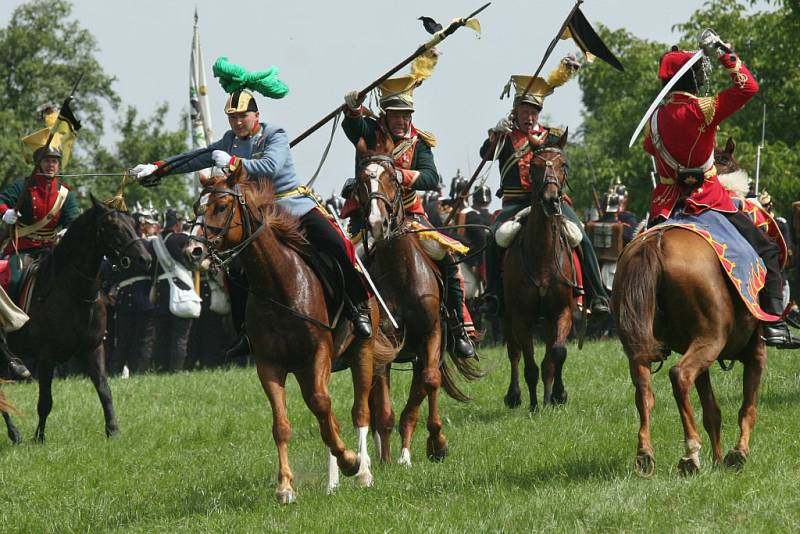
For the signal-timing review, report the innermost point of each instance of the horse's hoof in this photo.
(352, 470)
(645, 465)
(38, 437)
(112, 431)
(434, 454)
(15, 436)
(405, 458)
(286, 496)
(688, 466)
(735, 459)
(364, 479)
(512, 400)
(559, 399)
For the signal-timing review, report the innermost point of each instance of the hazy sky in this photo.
(327, 48)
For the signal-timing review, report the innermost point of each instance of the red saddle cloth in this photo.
(5, 274)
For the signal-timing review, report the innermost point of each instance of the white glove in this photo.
(572, 62)
(10, 216)
(711, 43)
(352, 100)
(144, 169)
(503, 126)
(221, 159)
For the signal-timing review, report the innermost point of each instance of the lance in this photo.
(758, 150)
(438, 37)
(497, 138)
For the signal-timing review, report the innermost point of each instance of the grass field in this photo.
(195, 454)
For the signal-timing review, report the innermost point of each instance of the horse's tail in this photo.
(6, 406)
(467, 368)
(384, 350)
(635, 295)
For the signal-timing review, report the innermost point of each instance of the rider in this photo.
(683, 139)
(522, 134)
(616, 211)
(263, 150)
(413, 158)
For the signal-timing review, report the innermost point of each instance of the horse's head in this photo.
(117, 238)
(549, 173)
(724, 160)
(379, 189)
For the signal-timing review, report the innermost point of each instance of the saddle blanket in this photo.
(744, 267)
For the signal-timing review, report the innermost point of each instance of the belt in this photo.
(710, 173)
(297, 191)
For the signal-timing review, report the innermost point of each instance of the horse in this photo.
(672, 294)
(7, 408)
(408, 280)
(67, 313)
(538, 281)
(288, 320)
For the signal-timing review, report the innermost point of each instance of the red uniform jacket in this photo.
(688, 127)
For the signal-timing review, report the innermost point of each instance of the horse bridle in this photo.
(221, 258)
(550, 177)
(393, 205)
(117, 254)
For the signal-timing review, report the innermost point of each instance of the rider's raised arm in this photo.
(735, 97)
(193, 160)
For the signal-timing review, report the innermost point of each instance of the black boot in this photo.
(362, 323)
(239, 349)
(459, 343)
(15, 365)
(777, 334)
(599, 306)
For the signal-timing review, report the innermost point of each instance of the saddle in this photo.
(27, 284)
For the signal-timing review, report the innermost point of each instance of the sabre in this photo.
(366, 274)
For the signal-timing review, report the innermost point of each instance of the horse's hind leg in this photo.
(13, 433)
(645, 401)
(362, 369)
(273, 381)
(712, 416)
(382, 414)
(45, 403)
(754, 361)
(531, 372)
(410, 414)
(695, 361)
(96, 368)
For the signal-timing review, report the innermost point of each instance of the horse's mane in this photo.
(73, 243)
(286, 226)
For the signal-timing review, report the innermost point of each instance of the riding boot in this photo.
(362, 323)
(458, 341)
(776, 333)
(593, 282)
(241, 348)
(15, 365)
(492, 299)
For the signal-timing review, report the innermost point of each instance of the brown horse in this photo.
(288, 321)
(672, 294)
(408, 280)
(538, 281)
(6, 408)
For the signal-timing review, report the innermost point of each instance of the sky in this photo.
(324, 49)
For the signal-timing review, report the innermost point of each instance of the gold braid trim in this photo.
(428, 137)
(708, 105)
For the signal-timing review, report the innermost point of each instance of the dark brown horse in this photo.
(67, 313)
(672, 294)
(288, 321)
(407, 278)
(538, 281)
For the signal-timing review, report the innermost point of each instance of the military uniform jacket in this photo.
(265, 155)
(687, 127)
(39, 198)
(412, 156)
(515, 159)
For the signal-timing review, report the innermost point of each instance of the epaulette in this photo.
(428, 137)
(708, 105)
(558, 132)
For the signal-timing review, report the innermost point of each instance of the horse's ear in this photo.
(562, 141)
(730, 146)
(95, 203)
(206, 181)
(361, 147)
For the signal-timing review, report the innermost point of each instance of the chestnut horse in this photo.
(6, 408)
(538, 281)
(288, 321)
(408, 280)
(672, 294)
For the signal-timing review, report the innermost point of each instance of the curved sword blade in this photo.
(688, 65)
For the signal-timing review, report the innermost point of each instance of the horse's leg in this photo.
(645, 401)
(45, 403)
(513, 396)
(361, 370)
(313, 382)
(554, 357)
(410, 414)
(382, 414)
(13, 433)
(273, 381)
(696, 360)
(436, 448)
(754, 361)
(712, 416)
(96, 369)
(531, 371)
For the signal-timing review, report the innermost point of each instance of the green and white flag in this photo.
(200, 116)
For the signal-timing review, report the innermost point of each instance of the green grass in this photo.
(195, 454)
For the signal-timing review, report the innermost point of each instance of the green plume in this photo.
(234, 77)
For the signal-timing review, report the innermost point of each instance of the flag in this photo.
(61, 129)
(200, 115)
(579, 30)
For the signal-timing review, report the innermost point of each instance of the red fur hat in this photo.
(671, 62)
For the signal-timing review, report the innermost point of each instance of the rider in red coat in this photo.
(681, 134)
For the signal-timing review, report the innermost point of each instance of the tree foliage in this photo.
(614, 102)
(43, 52)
